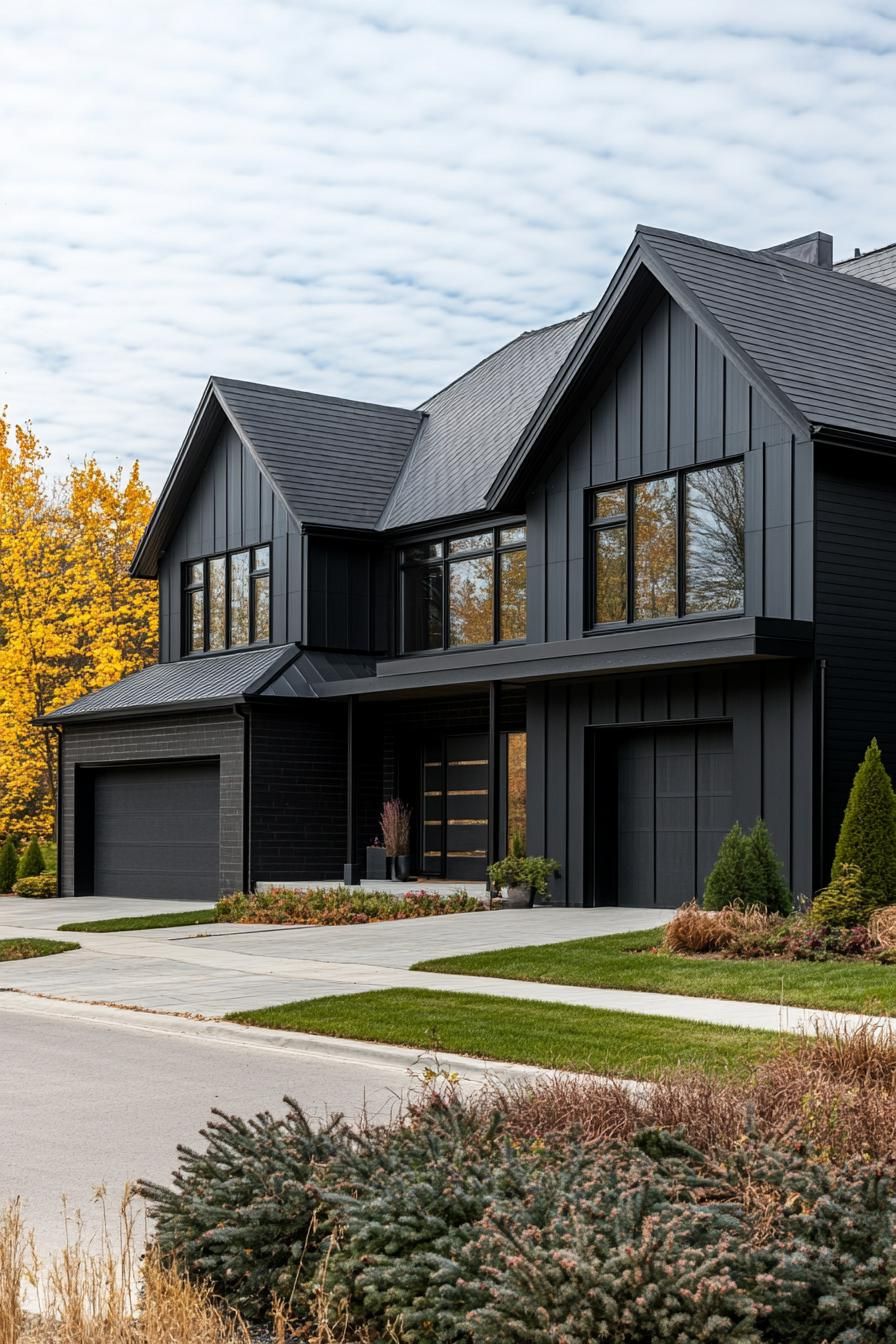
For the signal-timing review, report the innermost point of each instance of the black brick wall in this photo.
(298, 793)
(199, 736)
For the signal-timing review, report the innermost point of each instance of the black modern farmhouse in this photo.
(627, 580)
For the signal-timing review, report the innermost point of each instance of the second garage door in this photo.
(156, 831)
(675, 805)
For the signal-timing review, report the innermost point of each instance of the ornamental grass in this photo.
(337, 905)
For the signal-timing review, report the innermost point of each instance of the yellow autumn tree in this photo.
(71, 619)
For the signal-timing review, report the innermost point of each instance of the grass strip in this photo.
(174, 920)
(22, 949)
(626, 961)
(554, 1035)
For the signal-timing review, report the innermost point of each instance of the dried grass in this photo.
(694, 930)
(882, 926)
(836, 1091)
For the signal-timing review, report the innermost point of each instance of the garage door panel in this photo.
(156, 831)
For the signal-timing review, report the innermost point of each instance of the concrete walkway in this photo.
(213, 970)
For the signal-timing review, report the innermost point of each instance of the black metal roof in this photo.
(825, 338)
(472, 425)
(878, 265)
(333, 461)
(217, 679)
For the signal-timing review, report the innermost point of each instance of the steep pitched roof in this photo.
(819, 343)
(879, 265)
(825, 338)
(472, 425)
(333, 461)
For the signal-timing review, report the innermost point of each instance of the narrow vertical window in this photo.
(512, 583)
(195, 607)
(217, 602)
(515, 767)
(261, 595)
(239, 598)
(714, 539)
(422, 595)
(656, 549)
(471, 597)
(610, 556)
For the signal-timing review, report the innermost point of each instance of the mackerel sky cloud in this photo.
(364, 197)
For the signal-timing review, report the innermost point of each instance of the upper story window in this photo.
(227, 601)
(466, 590)
(669, 546)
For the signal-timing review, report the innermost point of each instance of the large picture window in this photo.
(462, 591)
(227, 601)
(669, 546)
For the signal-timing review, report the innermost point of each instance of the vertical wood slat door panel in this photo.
(675, 804)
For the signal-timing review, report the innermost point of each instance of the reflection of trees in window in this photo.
(512, 595)
(714, 539)
(239, 598)
(217, 602)
(197, 620)
(470, 601)
(610, 573)
(465, 590)
(656, 549)
(515, 765)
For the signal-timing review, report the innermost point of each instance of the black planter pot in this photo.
(377, 863)
(401, 867)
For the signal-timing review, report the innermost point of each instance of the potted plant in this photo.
(377, 862)
(395, 824)
(522, 876)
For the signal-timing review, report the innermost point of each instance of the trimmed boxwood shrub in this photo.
(42, 885)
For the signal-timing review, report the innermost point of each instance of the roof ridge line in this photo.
(219, 379)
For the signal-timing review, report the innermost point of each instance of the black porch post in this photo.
(352, 871)
(494, 752)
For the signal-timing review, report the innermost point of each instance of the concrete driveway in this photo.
(217, 969)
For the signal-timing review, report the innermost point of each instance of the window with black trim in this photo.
(667, 546)
(227, 601)
(465, 590)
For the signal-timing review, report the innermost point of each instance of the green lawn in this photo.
(20, 949)
(623, 961)
(555, 1035)
(173, 920)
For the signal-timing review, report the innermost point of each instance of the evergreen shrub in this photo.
(747, 872)
(41, 885)
(32, 863)
(868, 832)
(9, 864)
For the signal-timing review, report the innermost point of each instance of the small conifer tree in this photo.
(765, 883)
(32, 864)
(868, 833)
(9, 864)
(728, 880)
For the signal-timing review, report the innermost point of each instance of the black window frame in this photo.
(190, 585)
(444, 562)
(594, 525)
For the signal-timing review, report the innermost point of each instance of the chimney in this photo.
(815, 248)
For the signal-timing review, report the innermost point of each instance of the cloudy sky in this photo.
(364, 197)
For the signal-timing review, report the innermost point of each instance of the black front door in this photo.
(455, 807)
(674, 802)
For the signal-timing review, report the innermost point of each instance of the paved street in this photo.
(93, 1096)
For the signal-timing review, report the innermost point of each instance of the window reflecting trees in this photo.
(714, 539)
(463, 591)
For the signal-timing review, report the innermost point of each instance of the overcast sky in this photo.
(364, 197)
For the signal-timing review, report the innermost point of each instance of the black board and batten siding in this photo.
(855, 621)
(232, 506)
(673, 400)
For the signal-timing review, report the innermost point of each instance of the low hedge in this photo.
(452, 1225)
(41, 885)
(337, 905)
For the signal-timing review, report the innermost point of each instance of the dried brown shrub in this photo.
(882, 926)
(694, 930)
(836, 1091)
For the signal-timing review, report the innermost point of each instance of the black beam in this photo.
(494, 749)
(352, 871)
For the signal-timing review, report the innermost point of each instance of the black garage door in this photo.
(156, 831)
(675, 805)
